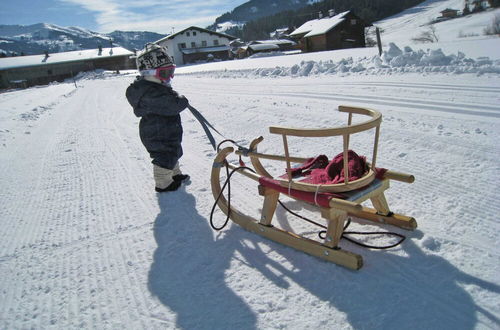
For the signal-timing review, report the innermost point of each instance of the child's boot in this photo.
(164, 180)
(177, 174)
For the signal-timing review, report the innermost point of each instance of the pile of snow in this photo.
(393, 60)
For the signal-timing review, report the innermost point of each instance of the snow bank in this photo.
(393, 60)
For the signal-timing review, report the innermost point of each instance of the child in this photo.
(158, 105)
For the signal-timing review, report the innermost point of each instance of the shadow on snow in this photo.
(415, 291)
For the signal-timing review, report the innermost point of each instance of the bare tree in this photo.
(427, 36)
(494, 27)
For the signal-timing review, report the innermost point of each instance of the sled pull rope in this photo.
(228, 184)
(205, 124)
(322, 233)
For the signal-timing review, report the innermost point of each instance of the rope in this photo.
(322, 234)
(228, 184)
(316, 195)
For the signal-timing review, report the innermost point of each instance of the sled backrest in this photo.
(344, 131)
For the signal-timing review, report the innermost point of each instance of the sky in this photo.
(105, 16)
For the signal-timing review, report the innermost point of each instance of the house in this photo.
(449, 13)
(235, 49)
(196, 44)
(242, 50)
(281, 33)
(345, 30)
(261, 48)
(25, 71)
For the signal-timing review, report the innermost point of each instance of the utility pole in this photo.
(379, 42)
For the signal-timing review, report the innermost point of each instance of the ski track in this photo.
(90, 186)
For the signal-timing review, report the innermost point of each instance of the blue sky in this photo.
(109, 15)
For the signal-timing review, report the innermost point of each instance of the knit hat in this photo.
(153, 56)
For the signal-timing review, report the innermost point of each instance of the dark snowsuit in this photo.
(160, 127)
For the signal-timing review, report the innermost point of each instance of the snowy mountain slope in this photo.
(409, 24)
(37, 38)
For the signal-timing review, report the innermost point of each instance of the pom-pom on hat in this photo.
(153, 56)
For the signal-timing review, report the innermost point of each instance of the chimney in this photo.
(46, 53)
(320, 15)
(331, 12)
(100, 50)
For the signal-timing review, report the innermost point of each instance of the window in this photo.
(188, 34)
(182, 45)
(194, 33)
(204, 43)
(353, 22)
(216, 42)
(193, 44)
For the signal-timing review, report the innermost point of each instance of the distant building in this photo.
(283, 44)
(261, 48)
(345, 30)
(25, 71)
(449, 13)
(196, 44)
(241, 50)
(282, 33)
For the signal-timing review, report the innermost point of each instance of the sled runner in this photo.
(311, 181)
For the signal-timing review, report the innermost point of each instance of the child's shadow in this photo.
(188, 270)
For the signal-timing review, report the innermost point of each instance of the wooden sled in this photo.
(346, 200)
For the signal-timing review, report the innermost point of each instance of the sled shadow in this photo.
(416, 291)
(188, 270)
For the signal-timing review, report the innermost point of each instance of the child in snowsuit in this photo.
(159, 106)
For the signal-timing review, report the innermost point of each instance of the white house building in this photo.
(196, 44)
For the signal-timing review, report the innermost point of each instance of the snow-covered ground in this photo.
(87, 243)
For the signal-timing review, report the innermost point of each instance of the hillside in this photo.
(254, 9)
(260, 27)
(38, 38)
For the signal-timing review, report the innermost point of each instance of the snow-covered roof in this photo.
(320, 26)
(275, 42)
(205, 49)
(264, 47)
(172, 36)
(79, 55)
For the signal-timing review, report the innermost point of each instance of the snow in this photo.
(223, 27)
(87, 243)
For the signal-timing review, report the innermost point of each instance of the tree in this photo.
(494, 27)
(466, 10)
(427, 36)
(494, 3)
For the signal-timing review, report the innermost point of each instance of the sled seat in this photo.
(323, 199)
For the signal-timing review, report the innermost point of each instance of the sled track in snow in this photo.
(393, 101)
(447, 87)
(437, 106)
